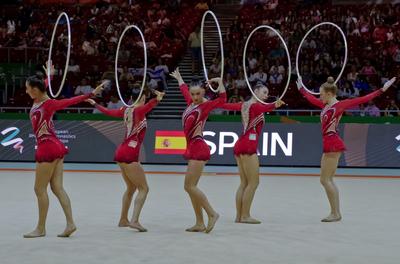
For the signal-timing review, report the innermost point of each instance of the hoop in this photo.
(145, 64)
(301, 44)
(68, 55)
(244, 61)
(222, 62)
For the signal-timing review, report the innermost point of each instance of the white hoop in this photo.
(301, 44)
(287, 54)
(222, 62)
(68, 55)
(145, 64)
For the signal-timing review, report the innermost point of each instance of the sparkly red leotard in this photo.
(135, 121)
(253, 121)
(193, 121)
(49, 147)
(330, 118)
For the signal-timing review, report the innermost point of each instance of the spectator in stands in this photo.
(352, 75)
(275, 77)
(165, 72)
(195, 46)
(372, 110)
(368, 69)
(348, 91)
(240, 82)
(392, 109)
(235, 97)
(202, 5)
(73, 67)
(361, 84)
(87, 48)
(252, 61)
(215, 69)
(84, 88)
(114, 103)
(259, 77)
(126, 75)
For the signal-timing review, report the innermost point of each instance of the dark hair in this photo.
(37, 81)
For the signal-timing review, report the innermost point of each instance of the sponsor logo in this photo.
(10, 140)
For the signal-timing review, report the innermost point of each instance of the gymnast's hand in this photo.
(91, 101)
(159, 94)
(388, 84)
(177, 75)
(99, 89)
(51, 66)
(279, 103)
(299, 83)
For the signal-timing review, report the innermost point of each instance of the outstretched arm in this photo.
(310, 98)
(349, 103)
(119, 113)
(56, 105)
(232, 106)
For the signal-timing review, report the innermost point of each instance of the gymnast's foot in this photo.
(332, 218)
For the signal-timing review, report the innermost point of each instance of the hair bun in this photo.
(330, 80)
(40, 76)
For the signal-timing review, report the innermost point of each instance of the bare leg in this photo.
(199, 200)
(136, 175)
(126, 198)
(56, 184)
(240, 190)
(198, 210)
(251, 168)
(329, 163)
(44, 172)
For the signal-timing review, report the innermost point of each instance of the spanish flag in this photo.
(170, 142)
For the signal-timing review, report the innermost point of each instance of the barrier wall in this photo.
(369, 145)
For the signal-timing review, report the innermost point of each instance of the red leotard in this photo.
(193, 121)
(135, 121)
(253, 121)
(49, 147)
(330, 118)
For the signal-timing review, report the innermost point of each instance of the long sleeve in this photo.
(141, 111)
(349, 103)
(216, 103)
(263, 108)
(312, 99)
(119, 113)
(55, 105)
(232, 106)
(186, 94)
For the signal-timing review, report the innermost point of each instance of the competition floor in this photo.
(290, 202)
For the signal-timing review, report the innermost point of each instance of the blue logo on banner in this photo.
(10, 140)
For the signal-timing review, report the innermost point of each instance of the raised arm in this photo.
(182, 86)
(220, 101)
(141, 111)
(310, 98)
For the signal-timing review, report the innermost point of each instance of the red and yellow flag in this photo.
(170, 142)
